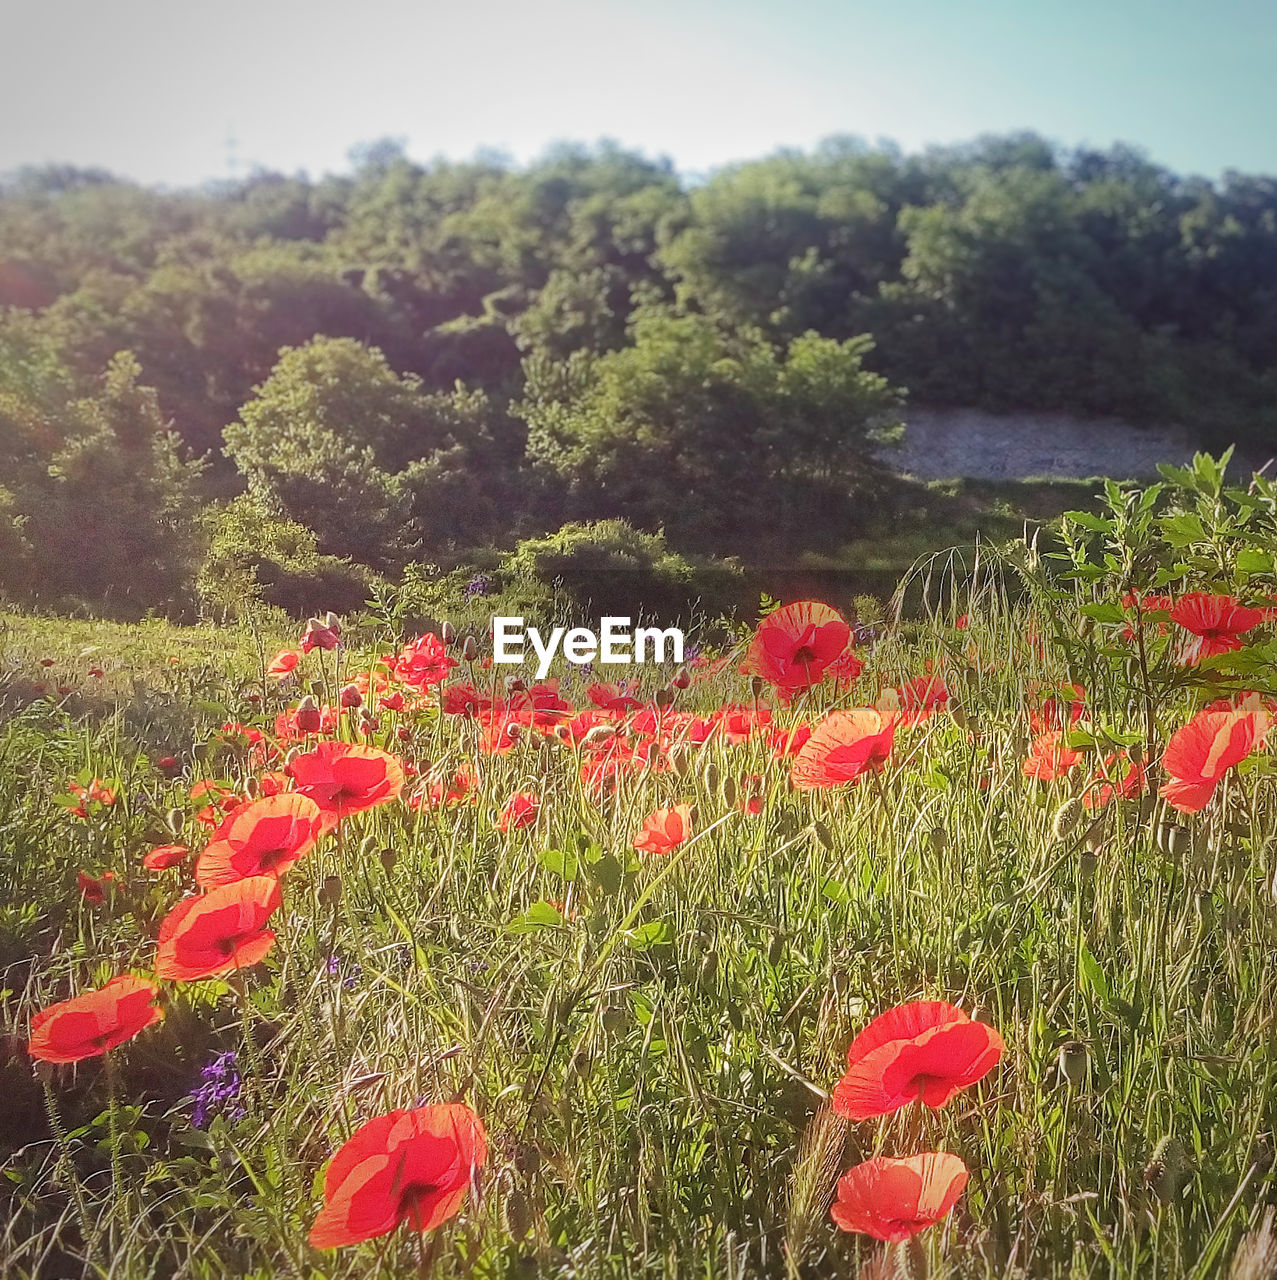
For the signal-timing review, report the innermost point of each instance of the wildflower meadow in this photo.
(945, 947)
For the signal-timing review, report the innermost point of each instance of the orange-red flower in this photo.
(343, 779)
(664, 830)
(164, 856)
(89, 1024)
(925, 1050)
(262, 838)
(795, 644)
(284, 663)
(1118, 776)
(842, 747)
(893, 1199)
(520, 811)
(1215, 622)
(95, 888)
(222, 930)
(1050, 757)
(440, 793)
(407, 1166)
(1199, 754)
(423, 662)
(920, 699)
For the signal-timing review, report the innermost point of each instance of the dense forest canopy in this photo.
(412, 361)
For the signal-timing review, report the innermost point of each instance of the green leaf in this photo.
(1094, 974)
(655, 933)
(561, 862)
(540, 915)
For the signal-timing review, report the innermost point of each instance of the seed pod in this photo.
(527, 1159)
(1174, 840)
(822, 834)
(728, 791)
(682, 680)
(516, 1213)
(469, 649)
(1072, 1061)
(680, 761)
(1094, 837)
(388, 857)
(614, 1018)
(713, 776)
(1166, 1170)
(776, 949)
(251, 788)
(939, 838)
(1087, 864)
(1067, 816)
(757, 687)
(663, 698)
(330, 891)
(597, 736)
(447, 633)
(515, 684)
(709, 968)
(958, 716)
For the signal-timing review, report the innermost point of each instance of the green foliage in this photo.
(257, 557)
(713, 434)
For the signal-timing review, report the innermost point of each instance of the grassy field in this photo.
(651, 1039)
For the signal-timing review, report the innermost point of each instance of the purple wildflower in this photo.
(219, 1091)
(479, 585)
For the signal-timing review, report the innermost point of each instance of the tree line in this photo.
(276, 378)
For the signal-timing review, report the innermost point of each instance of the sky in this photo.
(176, 92)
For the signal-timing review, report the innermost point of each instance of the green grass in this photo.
(651, 1066)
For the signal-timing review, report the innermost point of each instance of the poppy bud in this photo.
(513, 730)
(1067, 816)
(1167, 1167)
(307, 715)
(165, 763)
(680, 761)
(1086, 865)
(332, 622)
(728, 791)
(330, 891)
(757, 687)
(613, 1018)
(939, 838)
(1135, 753)
(709, 967)
(350, 696)
(958, 716)
(515, 684)
(663, 698)
(776, 949)
(563, 733)
(1174, 840)
(469, 649)
(713, 775)
(200, 751)
(1094, 837)
(403, 733)
(175, 819)
(822, 834)
(682, 680)
(582, 1063)
(1072, 1061)
(447, 633)
(597, 736)
(388, 858)
(251, 788)
(516, 1214)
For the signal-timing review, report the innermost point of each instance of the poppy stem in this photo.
(65, 1160)
(113, 1127)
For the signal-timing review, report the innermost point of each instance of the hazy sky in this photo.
(157, 89)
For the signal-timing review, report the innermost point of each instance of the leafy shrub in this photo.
(258, 557)
(609, 567)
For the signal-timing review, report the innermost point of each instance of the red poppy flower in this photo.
(164, 856)
(1052, 713)
(94, 888)
(925, 1050)
(1199, 754)
(920, 699)
(664, 830)
(343, 779)
(408, 1166)
(1118, 776)
(423, 662)
(1049, 757)
(788, 742)
(284, 663)
(440, 793)
(1216, 622)
(520, 811)
(221, 930)
(842, 747)
(262, 838)
(321, 633)
(611, 697)
(89, 1024)
(893, 1199)
(795, 644)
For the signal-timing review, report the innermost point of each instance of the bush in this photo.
(610, 568)
(258, 557)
